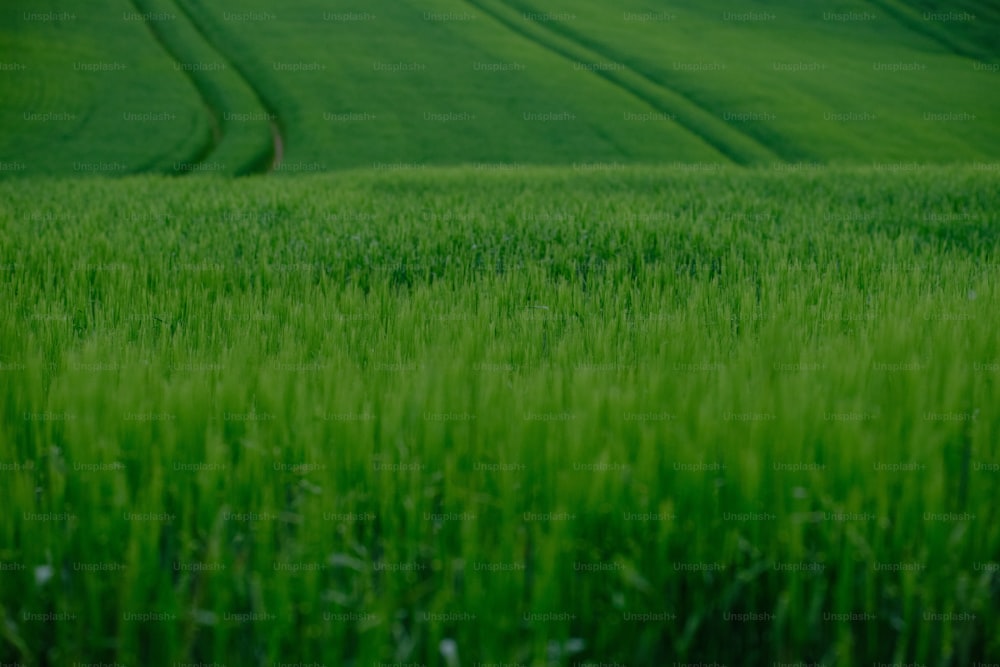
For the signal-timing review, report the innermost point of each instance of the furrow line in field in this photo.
(213, 112)
(731, 143)
(907, 18)
(277, 137)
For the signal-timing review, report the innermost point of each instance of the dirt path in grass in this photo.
(279, 146)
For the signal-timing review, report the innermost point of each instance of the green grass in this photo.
(395, 374)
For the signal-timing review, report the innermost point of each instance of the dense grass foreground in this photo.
(542, 417)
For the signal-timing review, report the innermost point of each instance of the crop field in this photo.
(499, 333)
(348, 420)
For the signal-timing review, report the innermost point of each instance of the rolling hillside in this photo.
(499, 84)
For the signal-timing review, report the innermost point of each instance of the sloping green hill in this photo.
(643, 81)
(439, 83)
(574, 82)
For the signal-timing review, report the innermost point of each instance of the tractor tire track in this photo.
(271, 158)
(906, 17)
(274, 119)
(751, 143)
(213, 113)
(738, 147)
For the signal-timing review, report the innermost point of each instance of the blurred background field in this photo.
(453, 83)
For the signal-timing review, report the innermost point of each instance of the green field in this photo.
(663, 334)
(341, 375)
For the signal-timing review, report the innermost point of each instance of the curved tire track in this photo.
(277, 135)
(906, 17)
(271, 160)
(213, 113)
(739, 147)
